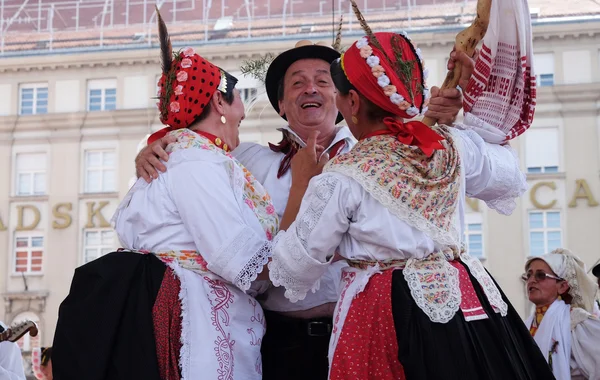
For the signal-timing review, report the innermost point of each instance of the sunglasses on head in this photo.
(539, 276)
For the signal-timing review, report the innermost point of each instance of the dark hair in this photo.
(343, 85)
(228, 96)
(46, 355)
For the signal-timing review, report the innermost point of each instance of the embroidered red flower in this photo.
(182, 76)
(189, 51)
(186, 63)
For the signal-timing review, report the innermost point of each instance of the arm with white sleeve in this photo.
(11, 363)
(585, 344)
(302, 253)
(225, 230)
(492, 171)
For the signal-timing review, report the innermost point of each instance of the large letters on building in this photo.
(582, 191)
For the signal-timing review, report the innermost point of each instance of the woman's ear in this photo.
(218, 103)
(354, 102)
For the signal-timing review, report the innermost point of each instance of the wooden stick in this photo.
(466, 41)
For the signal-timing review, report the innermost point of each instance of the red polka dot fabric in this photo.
(367, 348)
(166, 315)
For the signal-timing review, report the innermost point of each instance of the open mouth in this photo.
(310, 105)
(531, 288)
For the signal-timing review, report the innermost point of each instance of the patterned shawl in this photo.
(422, 191)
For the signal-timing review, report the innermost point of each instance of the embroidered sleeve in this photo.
(302, 253)
(492, 172)
(222, 230)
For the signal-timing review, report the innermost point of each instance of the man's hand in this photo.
(147, 162)
(309, 161)
(444, 105)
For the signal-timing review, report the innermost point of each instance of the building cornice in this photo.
(238, 50)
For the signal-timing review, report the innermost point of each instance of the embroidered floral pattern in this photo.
(366, 51)
(422, 191)
(220, 298)
(188, 259)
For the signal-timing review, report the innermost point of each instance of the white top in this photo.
(577, 355)
(264, 165)
(195, 205)
(11, 362)
(338, 212)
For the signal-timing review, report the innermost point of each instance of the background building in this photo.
(76, 86)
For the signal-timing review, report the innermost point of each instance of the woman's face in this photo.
(546, 291)
(234, 114)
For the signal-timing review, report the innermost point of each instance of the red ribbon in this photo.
(413, 133)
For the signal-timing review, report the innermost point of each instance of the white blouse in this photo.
(338, 213)
(263, 163)
(194, 206)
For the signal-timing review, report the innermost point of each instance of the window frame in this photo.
(101, 168)
(34, 106)
(102, 85)
(30, 235)
(98, 247)
(544, 230)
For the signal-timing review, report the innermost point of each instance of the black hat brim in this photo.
(596, 271)
(279, 66)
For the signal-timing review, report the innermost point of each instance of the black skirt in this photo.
(497, 348)
(105, 327)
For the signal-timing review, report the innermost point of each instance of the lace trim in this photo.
(507, 181)
(253, 267)
(317, 200)
(402, 211)
(434, 285)
(578, 315)
(571, 277)
(487, 284)
(234, 252)
(287, 262)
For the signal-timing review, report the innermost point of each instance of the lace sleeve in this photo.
(508, 183)
(302, 253)
(492, 172)
(227, 261)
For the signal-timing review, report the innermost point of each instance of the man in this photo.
(300, 89)
(11, 362)
(563, 323)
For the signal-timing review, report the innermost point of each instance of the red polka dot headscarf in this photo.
(187, 88)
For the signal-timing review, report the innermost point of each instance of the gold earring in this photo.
(223, 120)
(354, 119)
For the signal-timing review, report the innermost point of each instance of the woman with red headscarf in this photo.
(413, 304)
(178, 302)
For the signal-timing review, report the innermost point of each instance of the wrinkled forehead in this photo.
(539, 264)
(309, 68)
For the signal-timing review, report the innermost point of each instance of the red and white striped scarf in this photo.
(499, 100)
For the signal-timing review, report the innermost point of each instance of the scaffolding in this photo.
(39, 25)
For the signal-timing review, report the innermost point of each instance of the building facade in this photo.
(72, 124)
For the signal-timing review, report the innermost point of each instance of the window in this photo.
(248, 94)
(541, 154)
(27, 342)
(543, 65)
(102, 95)
(474, 235)
(30, 174)
(99, 171)
(33, 99)
(545, 234)
(97, 243)
(29, 251)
